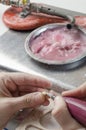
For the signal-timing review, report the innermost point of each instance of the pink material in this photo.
(77, 109)
(59, 44)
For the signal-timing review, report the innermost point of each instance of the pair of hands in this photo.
(61, 112)
(20, 90)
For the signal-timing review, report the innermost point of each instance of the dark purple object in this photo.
(77, 108)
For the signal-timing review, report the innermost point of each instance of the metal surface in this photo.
(12, 47)
(68, 64)
(47, 9)
(38, 8)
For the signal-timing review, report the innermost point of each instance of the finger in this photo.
(28, 101)
(79, 92)
(21, 93)
(29, 88)
(28, 79)
(62, 115)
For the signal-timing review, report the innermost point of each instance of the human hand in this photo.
(61, 113)
(79, 92)
(18, 91)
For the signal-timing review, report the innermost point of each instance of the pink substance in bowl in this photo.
(59, 44)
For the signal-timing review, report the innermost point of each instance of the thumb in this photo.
(28, 101)
(62, 115)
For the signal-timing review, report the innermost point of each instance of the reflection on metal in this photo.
(13, 65)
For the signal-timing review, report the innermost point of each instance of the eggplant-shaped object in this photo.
(77, 108)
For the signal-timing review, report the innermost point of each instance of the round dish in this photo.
(36, 33)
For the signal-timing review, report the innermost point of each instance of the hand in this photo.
(18, 91)
(79, 92)
(61, 113)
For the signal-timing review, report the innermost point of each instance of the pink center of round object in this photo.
(59, 44)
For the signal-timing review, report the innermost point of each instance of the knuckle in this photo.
(28, 100)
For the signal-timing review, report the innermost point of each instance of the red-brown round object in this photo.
(81, 21)
(12, 19)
